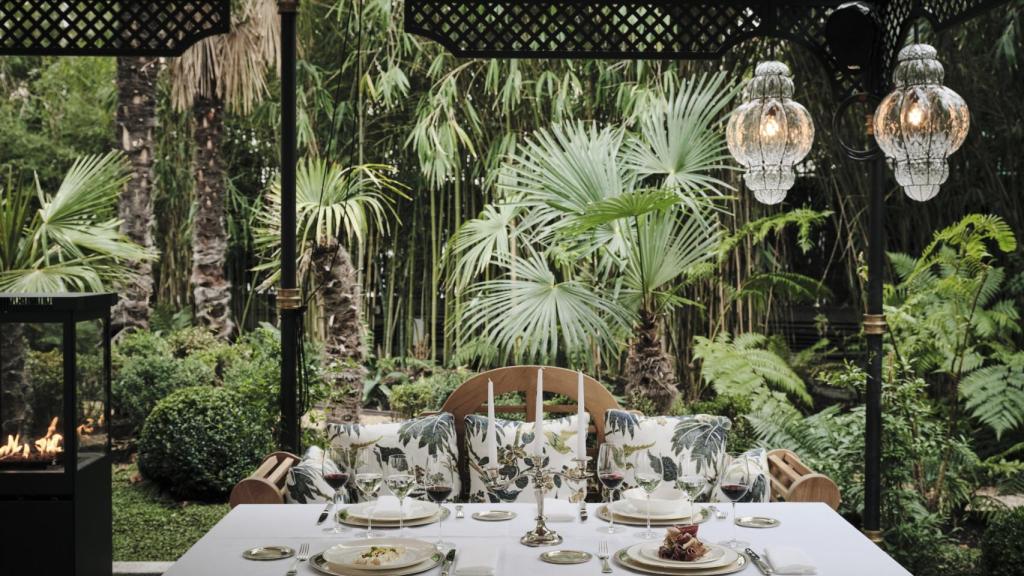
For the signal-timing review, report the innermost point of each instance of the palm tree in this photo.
(67, 241)
(334, 206)
(136, 120)
(226, 71)
(611, 224)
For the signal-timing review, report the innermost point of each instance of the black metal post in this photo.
(874, 329)
(288, 300)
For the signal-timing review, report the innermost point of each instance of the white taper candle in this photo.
(538, 427)
(492, 438)
(581, 419)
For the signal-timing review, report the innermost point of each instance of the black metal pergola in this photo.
(856, 42)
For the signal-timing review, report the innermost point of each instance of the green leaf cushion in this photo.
(515, 456)
(693, 443)
(418, 440)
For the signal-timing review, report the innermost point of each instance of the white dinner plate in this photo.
(346, 554)
(641, 554)
(625, 508)
(414, 510)
(649, 553)
(738, 564)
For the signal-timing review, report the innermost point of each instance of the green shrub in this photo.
(427, 393)
(1002, 545)
(198, 442)
(741, 436)
(142, 381)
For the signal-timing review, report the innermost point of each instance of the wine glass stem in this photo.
(611, 515)
(734, 524)
(369, 521)
(648, 512)
(440, 521)
(401, 516)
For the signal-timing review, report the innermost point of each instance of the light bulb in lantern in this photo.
(769, 132)
(920, 123)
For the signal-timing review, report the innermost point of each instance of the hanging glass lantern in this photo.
(920, 123)
(769, 133)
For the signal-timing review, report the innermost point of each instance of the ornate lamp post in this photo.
(857, 42)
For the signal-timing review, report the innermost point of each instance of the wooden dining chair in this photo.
(471, 398)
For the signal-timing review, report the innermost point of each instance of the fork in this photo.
(602, 555)
(302, 556)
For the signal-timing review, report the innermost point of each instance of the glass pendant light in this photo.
(920, 123)
(769, 133)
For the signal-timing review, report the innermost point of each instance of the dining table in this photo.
(835, 546)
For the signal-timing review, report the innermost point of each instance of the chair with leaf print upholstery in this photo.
(470, 399)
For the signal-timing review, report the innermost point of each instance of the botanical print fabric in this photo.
(417, 439)
(515, 441)
(694, 443)
(305, 483)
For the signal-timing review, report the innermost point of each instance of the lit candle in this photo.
(492, 438)
(538, 427)
(581, 419)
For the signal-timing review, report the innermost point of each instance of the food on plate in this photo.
(681, 544)
(380, 555)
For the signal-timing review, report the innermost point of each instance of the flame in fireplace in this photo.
(46, 447)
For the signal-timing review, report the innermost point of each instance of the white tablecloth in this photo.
(837, 548)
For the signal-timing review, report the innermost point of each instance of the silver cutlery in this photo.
(449, 559)
(718, 513)
(458, 512)
(301, 557)
(602, 555)
(761, 564)
(324, 514)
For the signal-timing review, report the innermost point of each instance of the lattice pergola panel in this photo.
(657, 29)
(109, 27)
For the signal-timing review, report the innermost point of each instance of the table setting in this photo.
(658, 528)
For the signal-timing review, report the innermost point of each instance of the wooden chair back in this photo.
(793, 481)
(471, 398)
(266, 485)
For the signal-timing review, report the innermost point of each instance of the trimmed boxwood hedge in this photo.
(1002, 545)
(198, 442)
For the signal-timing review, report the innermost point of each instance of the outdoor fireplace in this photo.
(55, 500)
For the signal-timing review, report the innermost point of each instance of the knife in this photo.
(449, 559)
(325, 513)
(761, 564)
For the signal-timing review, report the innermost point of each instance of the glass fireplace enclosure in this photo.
(55, 499)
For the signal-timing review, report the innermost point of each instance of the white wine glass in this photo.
(400, 481)
(368, 482)
(693, 485)
(648, 476)
(611, 471)
(735, 479)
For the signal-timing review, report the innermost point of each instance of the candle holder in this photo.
(542, 477)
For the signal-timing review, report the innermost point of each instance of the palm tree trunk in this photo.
(649, 371)
(210, 286)
(136, 120)
(339, 298)
(15, 394)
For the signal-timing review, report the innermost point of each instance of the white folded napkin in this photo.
(477, 561)
(560, 510)
(389, 506)
(788, 560)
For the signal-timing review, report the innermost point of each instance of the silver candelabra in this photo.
(542, 477)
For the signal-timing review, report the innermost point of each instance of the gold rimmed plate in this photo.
(702, 516)
(321, 565)
(494, 515)
(566, 557)
(623, 559)
(757, 522)
(442, 514)
(264, 553)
